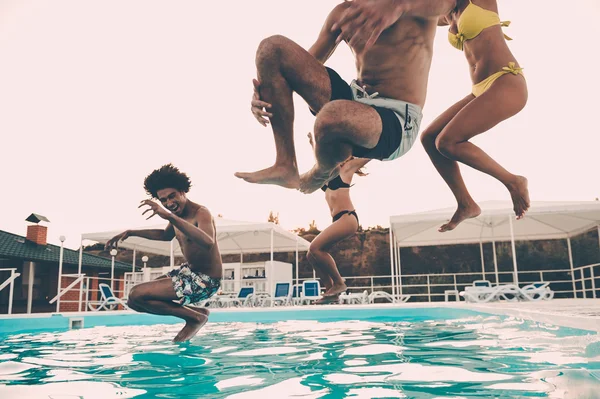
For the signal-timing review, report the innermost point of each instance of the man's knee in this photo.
(270, 48)
(329, 121)
(135, 295)
(132, 304)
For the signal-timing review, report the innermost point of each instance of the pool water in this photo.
(477, 356)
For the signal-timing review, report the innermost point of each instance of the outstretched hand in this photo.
(155, 208)
(114, 242)
(363, 21)
(259, 107)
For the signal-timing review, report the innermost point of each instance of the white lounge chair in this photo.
(355, 298)
(388, 297)
(537, 292)
(281, 296)
(109, 301)
(482, 291)
(244, 297)
(296, 294)
(311, 291)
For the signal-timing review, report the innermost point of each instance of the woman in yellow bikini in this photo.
(499, 92)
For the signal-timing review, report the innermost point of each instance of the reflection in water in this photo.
(479, 357)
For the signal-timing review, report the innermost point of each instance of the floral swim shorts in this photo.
(192, 287)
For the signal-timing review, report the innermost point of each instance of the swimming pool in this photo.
(329, 353)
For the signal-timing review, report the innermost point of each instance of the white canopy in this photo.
(234, 237)
(543, 221)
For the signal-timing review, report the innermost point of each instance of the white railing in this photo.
(10, 281)
(584, 276)
(94, 296)
(85, 293)
(372, 283)
(436, 284)
(432, 286)
(78, 278)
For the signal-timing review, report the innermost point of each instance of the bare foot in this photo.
(462, 212)
(313, 180)
(279, 175)
(520, 196)
(192, 327)
(336, 290)
(328, 299)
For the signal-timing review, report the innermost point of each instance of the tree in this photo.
(273, 218)
(312, 228)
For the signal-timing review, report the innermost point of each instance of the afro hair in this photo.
(167, 176)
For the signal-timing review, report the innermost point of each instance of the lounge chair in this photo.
(482, 291)
(296, 294)
(311, 291)
(244, 297)
(537, 292)
(109, 301)
(355, 298)
(388, 297)
(281, 296)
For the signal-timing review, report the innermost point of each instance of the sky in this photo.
(94, 95)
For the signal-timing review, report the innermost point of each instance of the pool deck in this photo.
(574, 313)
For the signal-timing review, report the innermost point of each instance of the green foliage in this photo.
(312, 228)
(273, 218)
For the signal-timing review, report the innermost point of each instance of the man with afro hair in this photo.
(199, 277)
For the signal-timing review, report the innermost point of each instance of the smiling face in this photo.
(172, 199)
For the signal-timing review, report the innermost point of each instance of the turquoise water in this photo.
(409, 356)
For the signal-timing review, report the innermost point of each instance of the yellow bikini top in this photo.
(472, 22)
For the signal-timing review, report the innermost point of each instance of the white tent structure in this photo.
(234, 237)
(543, 221)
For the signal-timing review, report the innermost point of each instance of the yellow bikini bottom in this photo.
(485, 84)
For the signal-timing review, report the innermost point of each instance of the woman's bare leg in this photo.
(343, 228)
(506, 97)
(448, 168)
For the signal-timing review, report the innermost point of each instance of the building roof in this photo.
(17, 247)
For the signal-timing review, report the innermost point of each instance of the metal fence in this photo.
(566, 283)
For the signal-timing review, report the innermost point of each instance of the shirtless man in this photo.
(377, 116)
(199, 277)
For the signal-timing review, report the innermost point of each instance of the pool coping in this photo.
(564, 314)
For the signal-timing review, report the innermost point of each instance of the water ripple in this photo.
(477, 357)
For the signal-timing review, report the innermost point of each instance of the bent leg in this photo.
(156, 297)
(340, 126)
(283, 67)
(505, 98)
(448, 168)
(343, 228)
(326, 281)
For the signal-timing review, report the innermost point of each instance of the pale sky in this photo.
(94, 95)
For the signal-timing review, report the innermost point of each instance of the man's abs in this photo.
(397, 66)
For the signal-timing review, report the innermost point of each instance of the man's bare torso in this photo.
(200, 259)
(397, 66)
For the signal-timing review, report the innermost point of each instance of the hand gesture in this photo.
(155, 208)
(259, 107)
(363, 21)
(310, 140)
(114, 242)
